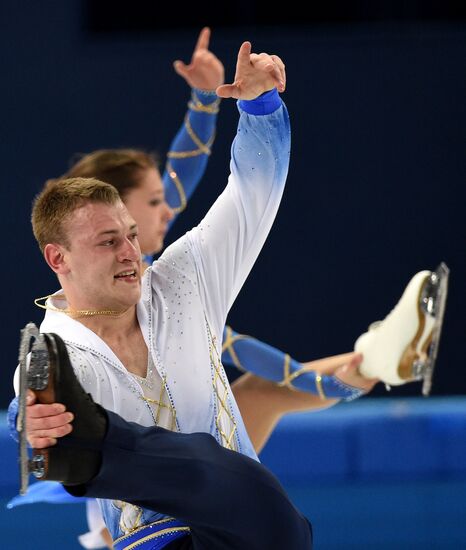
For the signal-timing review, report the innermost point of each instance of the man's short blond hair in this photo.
(59, 199)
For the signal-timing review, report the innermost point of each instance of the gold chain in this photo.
(75, 313)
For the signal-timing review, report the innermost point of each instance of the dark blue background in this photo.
(376, 189)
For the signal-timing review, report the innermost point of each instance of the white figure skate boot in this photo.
(403, 347)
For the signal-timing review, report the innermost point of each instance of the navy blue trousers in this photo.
(229, 501)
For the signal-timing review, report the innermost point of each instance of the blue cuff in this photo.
(206, 97)
(12, 416)
(265, 104)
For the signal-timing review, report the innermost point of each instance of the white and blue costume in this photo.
(185, 166)
(185, 300)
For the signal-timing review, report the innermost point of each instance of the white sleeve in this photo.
(227, 242)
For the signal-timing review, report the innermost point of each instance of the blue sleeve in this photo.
(189, 151)
(12, 416)
(251, 355)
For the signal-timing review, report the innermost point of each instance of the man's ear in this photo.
(54, 255)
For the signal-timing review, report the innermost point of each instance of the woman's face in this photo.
(146, 204)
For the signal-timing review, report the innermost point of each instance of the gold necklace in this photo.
(75, 313)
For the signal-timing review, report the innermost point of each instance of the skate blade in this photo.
(434, 303)
(32, 350)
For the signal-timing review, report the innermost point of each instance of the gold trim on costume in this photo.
(289, 377)
(199, 107)
(160, 402)
(320, 390)
(179, 187)
(228, 345)
(196, 105)
(161, 405)
(184, 154)
(203, 148)
(135, 523)
(222, 396)
(153, 535)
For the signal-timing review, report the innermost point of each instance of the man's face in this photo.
(103, 260)
(148, 207)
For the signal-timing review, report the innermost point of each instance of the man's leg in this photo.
(228, 500)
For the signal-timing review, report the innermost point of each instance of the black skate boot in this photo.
(45, 368)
